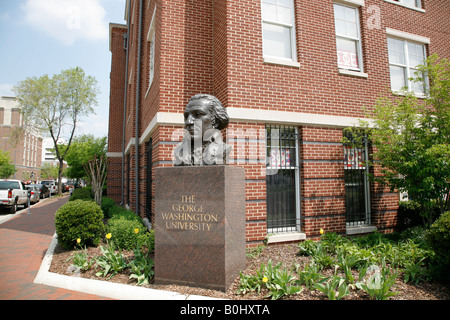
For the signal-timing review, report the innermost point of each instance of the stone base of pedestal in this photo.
(199, 226)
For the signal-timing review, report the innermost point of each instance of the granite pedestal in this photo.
(199, 226)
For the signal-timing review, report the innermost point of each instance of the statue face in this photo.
(197, 118)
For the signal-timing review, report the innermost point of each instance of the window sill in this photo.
(286, 237)
(360, 229)
(405, 6)
(352, 2)
(403, 93)
(283, 62)
(353, 73)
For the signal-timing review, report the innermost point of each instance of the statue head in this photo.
(202, 144)
(204, 112)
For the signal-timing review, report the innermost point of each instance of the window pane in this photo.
(277, 41)
(269, 12)
(396, 51)
(284, 15)
(397, 78)
(411, 3)
(286, 3)
(347, 54)
(346, 21)
(339, 12)
(416, 54)
(277, 11)
(417, 87)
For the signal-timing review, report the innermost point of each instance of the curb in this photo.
(103, 288)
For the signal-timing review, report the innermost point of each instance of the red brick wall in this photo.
(216, 47)
(115, 127)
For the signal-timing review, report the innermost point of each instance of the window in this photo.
(410, 3)
(348, 37)
(151, 39)
(357, 195)
(404, 57)
(152, 60)
(282, 179)
(278, 29)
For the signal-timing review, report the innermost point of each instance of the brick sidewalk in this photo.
(24, 240)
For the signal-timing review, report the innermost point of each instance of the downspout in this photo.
(125, 103)
(138, 85)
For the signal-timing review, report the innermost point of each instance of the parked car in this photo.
(52, 186)
(44, 191)
(12, 194)
(35, 193)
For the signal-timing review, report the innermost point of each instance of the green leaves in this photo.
(276, 281)
(7, 169)
(411, 138)
(52, 106)
(111, 261)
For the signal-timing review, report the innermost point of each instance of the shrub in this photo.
(438, 237)
(82, 194)
(107, 205)
(408, 215)
(79, 219)
(125, 235)
(117, 212)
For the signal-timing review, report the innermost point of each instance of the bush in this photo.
(128, 234)
(82, 194)
(79, 219)
(107, 205)
(119, 212)
(438, 237)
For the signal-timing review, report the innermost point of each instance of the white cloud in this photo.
(68, 20)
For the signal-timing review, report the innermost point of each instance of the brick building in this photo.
(292, 75)
(25, 148)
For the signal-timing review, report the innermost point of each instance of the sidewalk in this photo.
(26, 246)
(24, 240)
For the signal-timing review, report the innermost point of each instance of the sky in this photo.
(39, 37)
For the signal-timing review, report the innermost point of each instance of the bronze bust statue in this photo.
(202, 143)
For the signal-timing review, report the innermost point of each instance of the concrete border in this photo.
(103, 288)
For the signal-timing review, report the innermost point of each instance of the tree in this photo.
(411, 137)
(48, 171)
(97, 169)
(83, 149)
(7, 169)
(53, 106)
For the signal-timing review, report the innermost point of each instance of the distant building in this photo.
(292, 75)
(25, 148)
(48, 155)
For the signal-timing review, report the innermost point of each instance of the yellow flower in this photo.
(136, 230)
(265, 279)
(321, 231)
(78, 240)
(108, 236)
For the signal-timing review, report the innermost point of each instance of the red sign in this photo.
(347, 59)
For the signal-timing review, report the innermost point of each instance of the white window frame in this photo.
(416, 6)
(151, 36)
(407, 65)
(358, 40)
(282, 60)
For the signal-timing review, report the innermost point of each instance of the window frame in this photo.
(407, 66)
(417, 5)
(293, 43)
(358, 39)
(151, 38)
